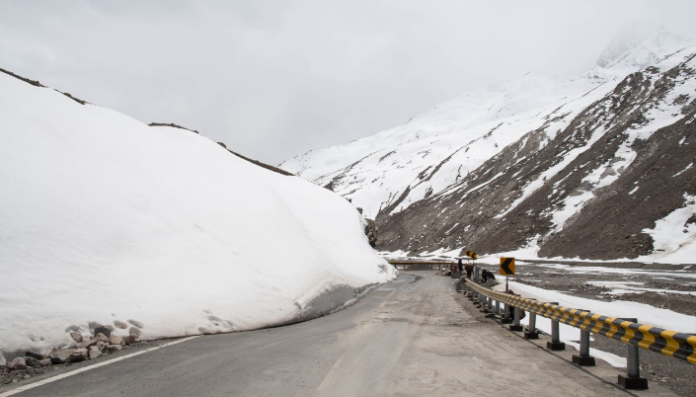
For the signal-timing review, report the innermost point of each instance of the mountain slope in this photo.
(597, 190)
(460, 153)
(105, 220)
(387, 172)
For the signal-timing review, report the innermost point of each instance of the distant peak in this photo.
(639, 44)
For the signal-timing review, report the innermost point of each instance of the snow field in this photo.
(105, 219)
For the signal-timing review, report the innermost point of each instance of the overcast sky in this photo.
(273, 79)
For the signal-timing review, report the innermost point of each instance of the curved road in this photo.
(413, 337)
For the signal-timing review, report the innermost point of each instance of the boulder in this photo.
(45, 362)
(17, 364)
(32, 362)
(114, 348)
(102, 337)
(78, 355)
(120, 324)
(130, 339)
(100, 345)
(61, 356)
(102, 330)
(94, 352)
(76, 337)
(35, 355)
(115, 340)
(136, 323)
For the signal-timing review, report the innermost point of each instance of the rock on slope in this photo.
(447, 179)
(105, 220)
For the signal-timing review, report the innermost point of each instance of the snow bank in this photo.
(104, 219)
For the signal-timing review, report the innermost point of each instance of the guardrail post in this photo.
(530, 332)
(555, 343)
(515, 326)
(584, 359)
(484, 304)
(489, 309)
(497, 307)
(506, 315)
(632, 380)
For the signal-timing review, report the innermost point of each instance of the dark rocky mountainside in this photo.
(589, 190)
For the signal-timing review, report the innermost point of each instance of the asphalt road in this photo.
(413, 337)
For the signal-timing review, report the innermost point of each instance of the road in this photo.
(413, 337)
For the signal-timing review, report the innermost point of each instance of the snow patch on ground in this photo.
(674, 236)
(628, 287)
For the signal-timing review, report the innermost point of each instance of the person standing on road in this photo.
(469, 269)
(461, 267)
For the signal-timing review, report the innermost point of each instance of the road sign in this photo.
(468, 253)
(507, 266)
(474, 255)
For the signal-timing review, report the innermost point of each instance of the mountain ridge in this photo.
(434, 159)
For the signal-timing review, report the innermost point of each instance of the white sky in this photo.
(273, 79)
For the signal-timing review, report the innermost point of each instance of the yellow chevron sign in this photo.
(507, 266)
(474, 255)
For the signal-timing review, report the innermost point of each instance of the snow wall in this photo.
(105, 220)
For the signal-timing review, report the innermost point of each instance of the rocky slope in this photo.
(594, 190)
(596, 166)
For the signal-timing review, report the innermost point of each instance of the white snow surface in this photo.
(104, 219)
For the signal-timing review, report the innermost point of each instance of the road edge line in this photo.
(91, 367)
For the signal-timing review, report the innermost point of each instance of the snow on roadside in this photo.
(646, 314)
(105, 219)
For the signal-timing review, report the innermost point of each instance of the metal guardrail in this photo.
(420, 263)
(629, 331)
(669, 343)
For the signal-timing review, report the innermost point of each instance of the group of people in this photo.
(469, 267)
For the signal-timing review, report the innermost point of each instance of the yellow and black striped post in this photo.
(669, 343)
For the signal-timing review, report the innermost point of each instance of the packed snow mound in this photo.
(104, 220)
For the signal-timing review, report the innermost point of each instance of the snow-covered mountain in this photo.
(403, 176)
(638, 45)
(107, 221)
(387, 172)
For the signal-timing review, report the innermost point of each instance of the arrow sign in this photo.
(507, 266)
(474, 255)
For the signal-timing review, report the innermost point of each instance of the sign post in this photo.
(507, 268)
